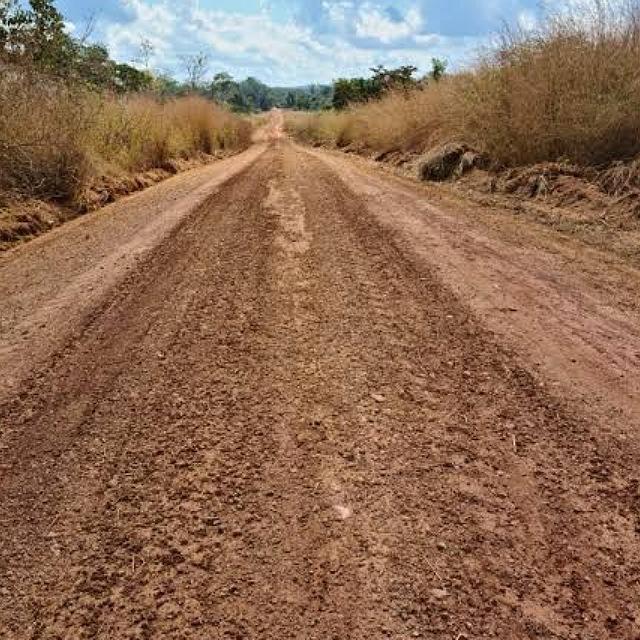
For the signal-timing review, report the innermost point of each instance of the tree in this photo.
(352, 90)
(165, 85)
(37, 36)
(145, 53)
(93, 66)
(224, 88)
(195, 66)
(290, 100)
(438, 69)
(388, 79)
(131, 80)
(256, 95)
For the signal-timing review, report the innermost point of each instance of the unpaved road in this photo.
(285, 397)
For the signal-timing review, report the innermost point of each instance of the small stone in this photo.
(441, 545)
(439, 594)
(378, 397)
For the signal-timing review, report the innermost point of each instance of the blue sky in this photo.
(292, 42)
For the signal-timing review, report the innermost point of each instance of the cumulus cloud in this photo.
(387, 27)
(291, 42)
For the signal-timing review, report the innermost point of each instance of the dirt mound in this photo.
(22, 219)
(615, 188)
(108, 188)
(448, 161)
(599, 205)
(25, 218)
(622, 180)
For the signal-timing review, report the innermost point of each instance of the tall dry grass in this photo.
(138, 133)
(402, 121)
(568, 90)
(44, 133)
(55, 138)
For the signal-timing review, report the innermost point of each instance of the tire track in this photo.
(283, 427)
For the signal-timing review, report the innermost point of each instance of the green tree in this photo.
(438, 69)
(256, 95)
(37, 36)
(13, 21)
(224, 88)
(165, 85)
(353, 90)
(128, 79)
(388, 79)
(290, 101)
(94, 66)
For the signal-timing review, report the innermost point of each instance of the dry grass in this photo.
(55, 139)
(44, 131)
(570, 91)
(140, 133)
(325, 128)
(567, 91)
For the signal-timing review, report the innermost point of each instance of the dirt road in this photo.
(286, 397)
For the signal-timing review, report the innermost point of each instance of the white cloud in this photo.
(527, 20)
(372, 23)
(359, 35)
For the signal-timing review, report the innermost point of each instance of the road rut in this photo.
(279, 424)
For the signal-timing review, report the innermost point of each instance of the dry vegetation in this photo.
(137, 133)
(55, 138)
(569, 91)
(550, 119)
(65, 149)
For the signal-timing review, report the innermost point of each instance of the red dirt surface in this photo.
(286, 397)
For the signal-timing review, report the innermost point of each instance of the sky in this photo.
(297, 42)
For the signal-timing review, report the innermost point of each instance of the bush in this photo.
(326, 128)
(54, 137)
(43, 136)
(140, 132)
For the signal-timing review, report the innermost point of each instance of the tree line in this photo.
(35, 37)
(252, 95)
(347, 91)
